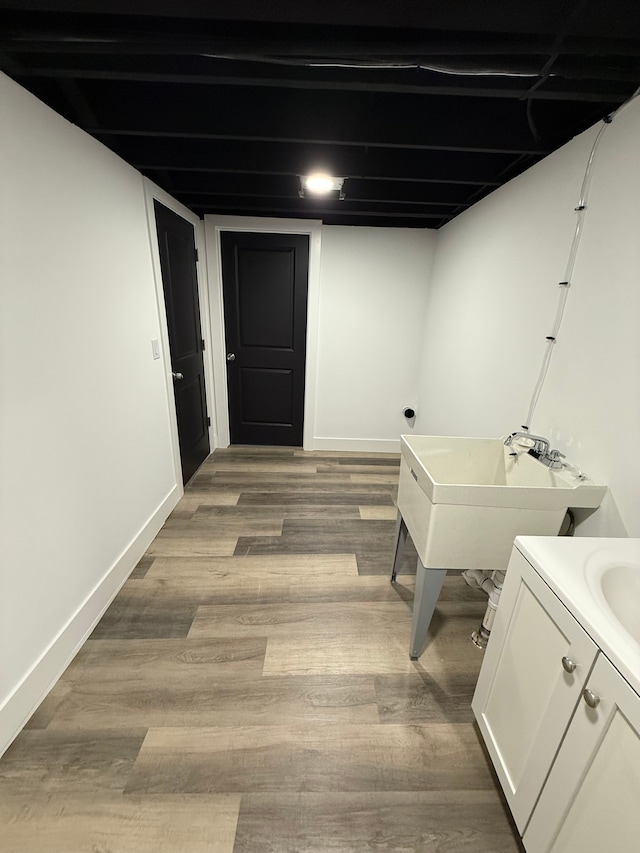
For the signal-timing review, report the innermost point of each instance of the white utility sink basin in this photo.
(464, 500)
(599, 580)
(482, 472)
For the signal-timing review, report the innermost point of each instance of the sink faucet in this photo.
(540, 447)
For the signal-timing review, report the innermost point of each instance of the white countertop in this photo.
(572, 567)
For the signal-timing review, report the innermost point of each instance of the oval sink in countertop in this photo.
(620, 587)
(598, 580)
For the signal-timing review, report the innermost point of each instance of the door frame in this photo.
(152, 193)
(213, 226)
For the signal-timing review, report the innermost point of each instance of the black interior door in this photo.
(265, 281)
(176, 242)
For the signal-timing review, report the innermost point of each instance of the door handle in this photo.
(231, 356)
(177, 375)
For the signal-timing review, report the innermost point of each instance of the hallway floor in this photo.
(250, 689)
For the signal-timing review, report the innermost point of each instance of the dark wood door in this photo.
(265, 279)
(176, 242)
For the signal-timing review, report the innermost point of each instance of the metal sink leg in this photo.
(428, 585)
(401, 538)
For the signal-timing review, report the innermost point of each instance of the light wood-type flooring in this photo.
(250, 689)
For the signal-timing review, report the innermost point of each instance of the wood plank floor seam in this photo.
(249, 690)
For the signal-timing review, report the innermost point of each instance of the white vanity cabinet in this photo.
(564, 739)
(535, 667)
(591, 800)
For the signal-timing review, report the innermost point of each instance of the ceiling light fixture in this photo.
(321, 184)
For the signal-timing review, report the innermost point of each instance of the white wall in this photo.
(367, 299)
(87, 473)
(373, 296)
(493, 299)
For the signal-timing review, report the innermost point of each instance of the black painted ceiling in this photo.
(424, 107)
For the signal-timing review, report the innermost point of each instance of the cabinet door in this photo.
(524, 698)
(591, 801)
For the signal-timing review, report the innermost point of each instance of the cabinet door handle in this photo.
(590, 698)
(568, 665)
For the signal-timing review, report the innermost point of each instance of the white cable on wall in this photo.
(565, 284)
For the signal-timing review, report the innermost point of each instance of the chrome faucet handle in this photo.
(555, 458)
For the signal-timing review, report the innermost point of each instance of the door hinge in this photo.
(202, 342)
(208, 421)
(197, 257)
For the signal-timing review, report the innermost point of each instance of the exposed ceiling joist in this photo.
(225, 104)
(447, 91)
(409, 50)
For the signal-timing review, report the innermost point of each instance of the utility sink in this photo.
(482, 472)
(464, 500)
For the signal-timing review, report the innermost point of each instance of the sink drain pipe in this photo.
(491, 583)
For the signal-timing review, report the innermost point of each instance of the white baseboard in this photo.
(32, 689)
(358, 445)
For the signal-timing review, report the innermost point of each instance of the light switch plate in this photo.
(155, 348)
